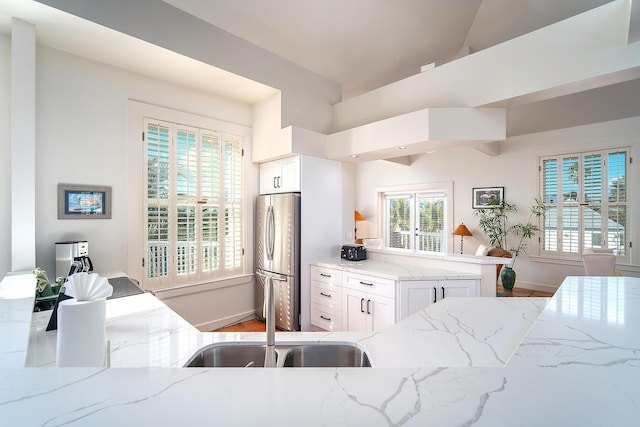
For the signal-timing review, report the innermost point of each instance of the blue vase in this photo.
(508, 277)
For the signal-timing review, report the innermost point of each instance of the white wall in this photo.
(81, 137)
(5, 155)
(515, 169)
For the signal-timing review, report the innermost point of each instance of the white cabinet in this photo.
(326, 298)
(368, 303)
(280, 176)
(348, 301)
(418, 294)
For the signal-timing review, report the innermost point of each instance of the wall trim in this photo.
(179, 291)
(225, 321)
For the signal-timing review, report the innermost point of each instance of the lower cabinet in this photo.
(367, 312)
(346, 301)
(326, 298)
(418, 294)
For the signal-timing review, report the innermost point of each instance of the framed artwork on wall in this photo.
(487, 197)
(77, 201)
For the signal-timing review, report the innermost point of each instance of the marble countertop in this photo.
(394, 271)
(569, 360)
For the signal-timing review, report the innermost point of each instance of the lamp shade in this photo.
(357, 216)
(462, 230)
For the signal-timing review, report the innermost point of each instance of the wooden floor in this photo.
(248, 326)
(522, 292)
(258, 326)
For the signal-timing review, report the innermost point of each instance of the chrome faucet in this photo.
(270, 316)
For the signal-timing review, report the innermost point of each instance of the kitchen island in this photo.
(569, 360)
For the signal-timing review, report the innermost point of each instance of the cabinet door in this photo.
(381, 312)
(355, 317)
(416, 295)
(459, 288)
(290, 174)
(269, 176)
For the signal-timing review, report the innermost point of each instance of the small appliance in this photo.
(353, 252)
(72, 257)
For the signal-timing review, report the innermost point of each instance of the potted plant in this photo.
(494, 223)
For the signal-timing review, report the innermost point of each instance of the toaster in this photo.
(353, 252)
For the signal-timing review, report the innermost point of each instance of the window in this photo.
(416, 220)
(587, 196)
(192, 204)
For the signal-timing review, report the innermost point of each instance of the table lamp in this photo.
(461, 231)
(357, 216)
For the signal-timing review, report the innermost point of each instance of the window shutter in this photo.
(586, 196)
(158, 187)
(232, 172)
(194, 204)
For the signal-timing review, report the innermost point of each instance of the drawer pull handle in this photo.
(366, 283)
(325, 318)
(361, 307)
(325, 295)
(435, 294)
(325, 275)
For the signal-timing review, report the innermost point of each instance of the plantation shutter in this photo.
(586, 197)
(157, 207)
(194, 204)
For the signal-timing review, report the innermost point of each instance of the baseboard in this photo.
(536, 286)
(226, 321)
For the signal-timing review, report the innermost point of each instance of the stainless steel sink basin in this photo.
(224, 355)
(326, 356)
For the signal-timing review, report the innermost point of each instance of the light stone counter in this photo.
(396, 271)
(577, 364)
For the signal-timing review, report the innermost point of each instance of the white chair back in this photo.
(599, 264)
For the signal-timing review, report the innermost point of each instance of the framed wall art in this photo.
(84, 201)
(487, 197)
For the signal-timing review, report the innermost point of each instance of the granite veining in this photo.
(568, 360)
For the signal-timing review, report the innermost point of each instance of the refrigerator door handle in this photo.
(270, 232)
(275, 276)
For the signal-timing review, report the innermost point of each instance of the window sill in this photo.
(202, 287)
(625, 269)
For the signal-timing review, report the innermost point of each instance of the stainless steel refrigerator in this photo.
(278, 256)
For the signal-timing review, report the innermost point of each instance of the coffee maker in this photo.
(72, 257)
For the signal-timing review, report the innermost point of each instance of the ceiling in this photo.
(361, 44)
(366, 44)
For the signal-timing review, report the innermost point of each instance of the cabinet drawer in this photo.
(326, 275)
(326, 295)
(370, 284)
(325, 318)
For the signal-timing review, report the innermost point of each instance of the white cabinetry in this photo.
(326, 298)
(319, 182)
(418, 294)
(368, 302)
(280, 176)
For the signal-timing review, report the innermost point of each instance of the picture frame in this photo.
(76, 201)
(487, 197)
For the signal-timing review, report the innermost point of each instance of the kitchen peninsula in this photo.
(569, 360)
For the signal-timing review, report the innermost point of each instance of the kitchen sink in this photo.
(224, 355)
(227, 355)
(326, 355)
